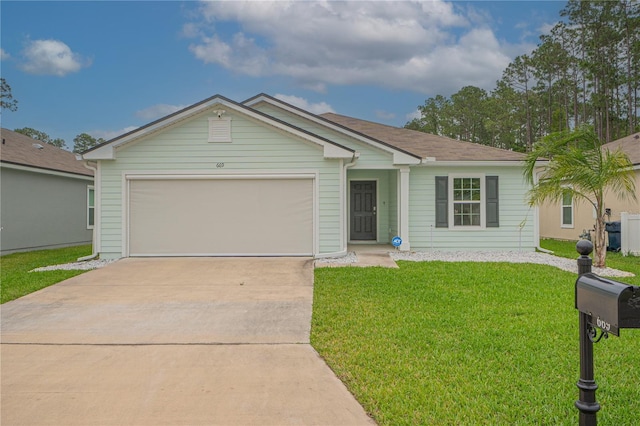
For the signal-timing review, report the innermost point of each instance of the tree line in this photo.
(586, 71)
(81, 142)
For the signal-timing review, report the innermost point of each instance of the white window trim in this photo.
(482, 202)
(562, 207)
(89, 189)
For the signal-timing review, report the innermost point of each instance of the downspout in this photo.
(94, 252)
(536, 221)
(345, 229)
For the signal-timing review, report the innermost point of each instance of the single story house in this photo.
(46, 196)
(265, 178)
(568, 219)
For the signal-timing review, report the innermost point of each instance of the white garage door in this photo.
(199, 217)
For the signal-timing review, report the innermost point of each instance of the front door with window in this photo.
(363, 210)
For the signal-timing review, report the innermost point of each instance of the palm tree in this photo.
(577, 164)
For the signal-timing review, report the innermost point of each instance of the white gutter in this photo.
(94, 252)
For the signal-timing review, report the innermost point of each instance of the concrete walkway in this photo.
(366, 255)
(188, 341)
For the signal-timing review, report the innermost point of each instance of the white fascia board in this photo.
(333, 151)
(105, 152)
(399, 157)
(503, 163)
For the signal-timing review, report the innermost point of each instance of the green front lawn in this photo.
(16, 280)
(614, 260)
(437, 343)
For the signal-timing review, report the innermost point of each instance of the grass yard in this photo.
(437, 343)
(16, 280)
(614, 260)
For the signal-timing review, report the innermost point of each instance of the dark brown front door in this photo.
(363, 210)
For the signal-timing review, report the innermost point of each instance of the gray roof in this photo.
(19, 149)
(424, 144)
(629, 144)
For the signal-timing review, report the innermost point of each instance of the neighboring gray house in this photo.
(46, 196)
(266, 178)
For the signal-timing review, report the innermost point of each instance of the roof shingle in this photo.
(424, 144)
(19, 149)
(629, 144)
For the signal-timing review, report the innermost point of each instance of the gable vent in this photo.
(220, 129)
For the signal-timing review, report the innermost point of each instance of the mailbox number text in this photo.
(603, 325)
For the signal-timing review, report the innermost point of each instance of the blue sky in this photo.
(106, 67)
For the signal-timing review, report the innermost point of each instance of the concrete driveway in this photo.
(171, 341)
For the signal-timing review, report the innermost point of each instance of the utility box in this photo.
(614, 233)
(611, 305)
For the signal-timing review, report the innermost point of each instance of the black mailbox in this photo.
(611, 305)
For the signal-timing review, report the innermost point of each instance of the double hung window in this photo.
(566, 210)
(91, 207)
(467, 201)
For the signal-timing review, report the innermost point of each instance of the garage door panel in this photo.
(221, 216)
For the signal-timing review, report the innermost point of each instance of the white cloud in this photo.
(422, 45)
(110, 134)
(212, 50)
(546, 28)
(191, 30)
(4, 55)
(157, 111)
(51, 57)
(240, 54)
(385, 115)
(314, 108)
(413, 115)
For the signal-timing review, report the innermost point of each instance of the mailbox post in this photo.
(587, 403)
(604, 304)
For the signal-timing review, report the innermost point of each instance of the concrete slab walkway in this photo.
(197, 341)
(366, 259)
(365, 255)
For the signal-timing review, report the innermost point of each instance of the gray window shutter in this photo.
(493, 215)
(442, 202)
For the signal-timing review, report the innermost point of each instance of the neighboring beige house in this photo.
(568, 219)
(46, 196)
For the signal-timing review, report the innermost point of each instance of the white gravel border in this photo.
(563, 263)
(341, 260)
(82, 266)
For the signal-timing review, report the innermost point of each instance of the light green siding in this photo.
(260, 148)
(370, 157)
(514, 211)
(256, 148)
